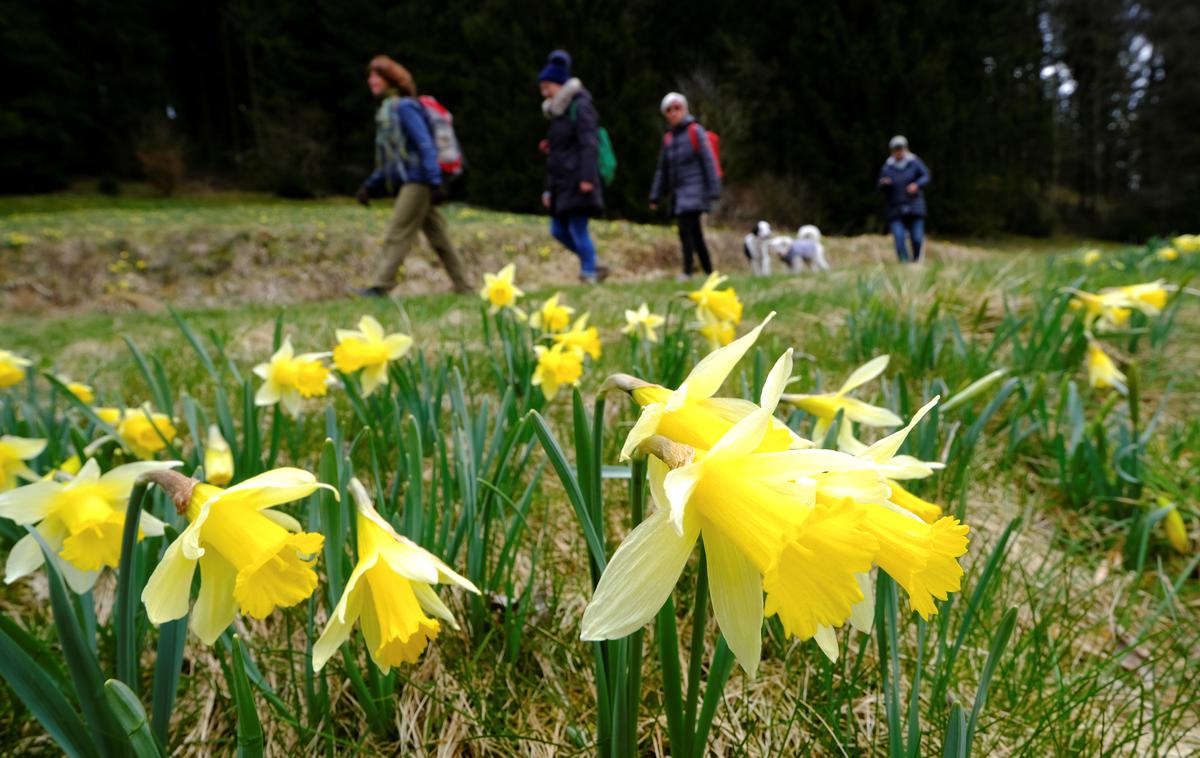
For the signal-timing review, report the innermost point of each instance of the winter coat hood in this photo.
(553, 107)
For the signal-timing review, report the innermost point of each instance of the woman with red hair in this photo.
(406, 163)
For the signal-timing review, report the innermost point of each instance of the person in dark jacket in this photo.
(903, 179)
(687, 172)
(406, 165)
(572, 193)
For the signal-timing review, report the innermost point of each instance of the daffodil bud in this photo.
(218, 458)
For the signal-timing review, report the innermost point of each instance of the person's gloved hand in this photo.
(439, 194)
(363, 196)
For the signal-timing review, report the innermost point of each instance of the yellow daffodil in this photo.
(581, 338)
(1091, 257)
(289, 378)
(690, 415)
(65, 470)
(553, 316)
(1176, 529)
(83, 392)
(1149, 298)
(714, 304)
(1187, 243)
(81, 520)
(369, 349)
(252, 559)
(825, 406)
(143, 430)
(218, 458)
(1110, 309)
(1167, 254)
(391, 592)
(643, 323)
(804, 526)
(14, 452)
(12, 368)
(1102, 372)
(556, 366)
(500, 290)
(718, 333)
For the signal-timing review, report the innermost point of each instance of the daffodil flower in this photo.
(252, 559)
(14, 452)
(1187, 243)
(718, 333)
(218, 458)
(581, 338)
(391, 592)
(690, 415)
(893, 466)
(83, 392)
(369, 349)
(1167, 254)
(1091, 257)
(553, 316)
(143, 430)
(556, 366)
(1149, 298)
(717, 305)
(500, 290)
(12, 368)
(1098, 311)
(82, 521)
(826, 406)
(1102, 372)
(787, 523)
(643, 323)
(1175, 528)
(289, 378)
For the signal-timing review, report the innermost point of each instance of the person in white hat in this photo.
(902, 180)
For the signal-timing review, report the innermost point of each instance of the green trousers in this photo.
(415, 212)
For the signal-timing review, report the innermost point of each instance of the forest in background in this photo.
(1034, 116)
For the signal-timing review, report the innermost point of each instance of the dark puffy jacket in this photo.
(687, 174)
(404, 147)
(903, 173)
(573, 141)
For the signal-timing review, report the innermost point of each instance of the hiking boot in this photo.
(602, 272)
(681, 278)
(368, 291)
(589, 279)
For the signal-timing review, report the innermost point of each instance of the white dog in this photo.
(805, 251)
(756, 247)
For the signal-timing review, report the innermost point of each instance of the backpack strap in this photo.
(694, 135)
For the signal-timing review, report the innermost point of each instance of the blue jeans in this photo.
(571, 229)
(915, 227)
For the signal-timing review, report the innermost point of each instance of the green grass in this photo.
(1103, 656)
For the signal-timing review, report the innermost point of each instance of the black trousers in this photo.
(691, 237)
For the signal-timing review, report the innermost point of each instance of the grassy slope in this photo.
(1068, 687)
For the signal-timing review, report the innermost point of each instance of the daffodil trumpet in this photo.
(389, 593)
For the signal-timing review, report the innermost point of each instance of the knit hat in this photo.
(557, 68)
(899, 141)
(670, 99)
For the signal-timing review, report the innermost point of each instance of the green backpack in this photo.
(606, 159)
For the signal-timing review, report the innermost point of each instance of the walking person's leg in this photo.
(412, 202)
(560, 230)
(686, 241)
(916, 228)
(436, 231)
(701, 245)
(584, 247)
(898, 237)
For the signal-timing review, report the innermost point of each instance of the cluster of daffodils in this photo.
(788, 529)
(719, 311)
(1184, 243)
(1110, 308)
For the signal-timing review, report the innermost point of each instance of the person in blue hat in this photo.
(902, 180)
(572, 192)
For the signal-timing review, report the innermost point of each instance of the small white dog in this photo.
(806, 251)
(756, 247)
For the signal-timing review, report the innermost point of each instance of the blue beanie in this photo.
(557, 69)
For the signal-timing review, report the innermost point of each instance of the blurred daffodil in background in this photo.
(14, 453)
(642, 323)
(1102, 372)
(12, 368)
(143, 429)
(581, 338)
(218, 458)
(826, 406)
(369, 349)
(500, 289)
(289, 378)
(556, 366)
(553, 316)
(390, 592)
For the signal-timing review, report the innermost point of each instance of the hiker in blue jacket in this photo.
(902, 180)
(572, 192)
(406, 166)
(687, 172)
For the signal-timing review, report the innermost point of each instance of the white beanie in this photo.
(672, 98)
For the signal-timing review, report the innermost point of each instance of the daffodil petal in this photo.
(432, 604)
(776, 382)
(150, 525)
(22, 447)
(29, 504)
(826, 639)
(867, 414)
(644, 428)
(864, 373)
(710, 373)
(283, 519)
(887, 447)
(215, 606)
(677, 486)
(639, 578)
(337, 629)
(120, 481)
(169, 588)
(862, 613)
(25, 557)
(272, 488)
(737, 598)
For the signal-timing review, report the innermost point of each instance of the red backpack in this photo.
(714, 144)
(441, 128)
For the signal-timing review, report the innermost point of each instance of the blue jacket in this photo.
(404, 147)
(903, 173)
(688, 175)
